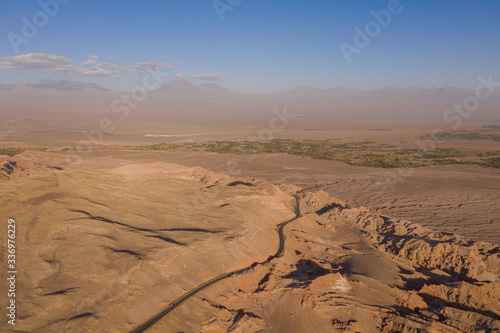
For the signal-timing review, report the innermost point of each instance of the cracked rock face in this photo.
(11, 168)
(105, 251)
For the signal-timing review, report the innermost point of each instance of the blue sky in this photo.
(259, 46)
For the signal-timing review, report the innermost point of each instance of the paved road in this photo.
(146, 325)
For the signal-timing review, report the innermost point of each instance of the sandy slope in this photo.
(458, 199)
(104, 246)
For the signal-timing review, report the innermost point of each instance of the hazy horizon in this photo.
(252, 47)
(199, 83)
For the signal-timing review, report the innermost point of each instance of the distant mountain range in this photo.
(179, 96)
(57, 85)
(180, 87)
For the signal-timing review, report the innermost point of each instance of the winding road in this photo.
(146, 325)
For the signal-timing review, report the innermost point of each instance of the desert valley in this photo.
(117, 225)
(249, 166)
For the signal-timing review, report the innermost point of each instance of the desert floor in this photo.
(113, 235)
(105, 244)
(457, 199)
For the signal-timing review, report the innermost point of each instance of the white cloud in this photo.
(97, 71)
(34, 61)
(202, 76)
(91, 67)
(144, 66)
(61, 65)
(65, 70)
(207, 76)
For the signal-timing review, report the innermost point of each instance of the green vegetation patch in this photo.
(492, 163)
(491, 132)
(365, 153)
(16, 151)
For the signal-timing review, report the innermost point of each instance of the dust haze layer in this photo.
(179, 98)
